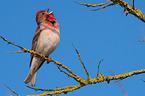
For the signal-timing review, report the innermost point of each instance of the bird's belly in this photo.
(47, 42)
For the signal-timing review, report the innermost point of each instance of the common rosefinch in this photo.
(45, 41)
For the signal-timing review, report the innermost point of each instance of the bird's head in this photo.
(43, 15)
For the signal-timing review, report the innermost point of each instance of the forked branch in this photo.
(127, 8)
(82, 82)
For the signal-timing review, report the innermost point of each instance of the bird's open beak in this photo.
(51, 12)
(46, 11)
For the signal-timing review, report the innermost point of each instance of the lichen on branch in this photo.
(81, 82)
(128, 8)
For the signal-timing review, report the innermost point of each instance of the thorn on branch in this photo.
(98, 67)
(108, 81)
(143, 80)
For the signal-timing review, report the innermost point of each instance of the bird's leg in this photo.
(48, 60)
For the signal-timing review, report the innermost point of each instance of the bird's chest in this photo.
(47, 42)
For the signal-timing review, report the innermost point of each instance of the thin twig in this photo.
(16, 52)
(95, 5)
(11, 90)
(56, 89)
(64, 67)
(11, 43)
(129, 3)
(36, 89)
(104, 6)
(81, 60)
(69, 75)
(133, 5)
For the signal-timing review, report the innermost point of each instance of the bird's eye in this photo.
(43, 13)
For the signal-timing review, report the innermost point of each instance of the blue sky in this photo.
(97, 35)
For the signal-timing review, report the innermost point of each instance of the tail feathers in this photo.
(35, 65)
(31, 78)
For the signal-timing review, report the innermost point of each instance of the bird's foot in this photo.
(43, 56)
(49, 60)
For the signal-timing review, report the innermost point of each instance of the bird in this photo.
(45, 41)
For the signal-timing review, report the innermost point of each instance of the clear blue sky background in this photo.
(103, 34)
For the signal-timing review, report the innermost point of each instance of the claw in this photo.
(49, 60)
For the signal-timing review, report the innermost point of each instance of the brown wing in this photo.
(39, 29)
(34, 42)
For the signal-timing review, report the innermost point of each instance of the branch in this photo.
(127, 9)
(82, 82)
(88, 82)
(77, 78)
